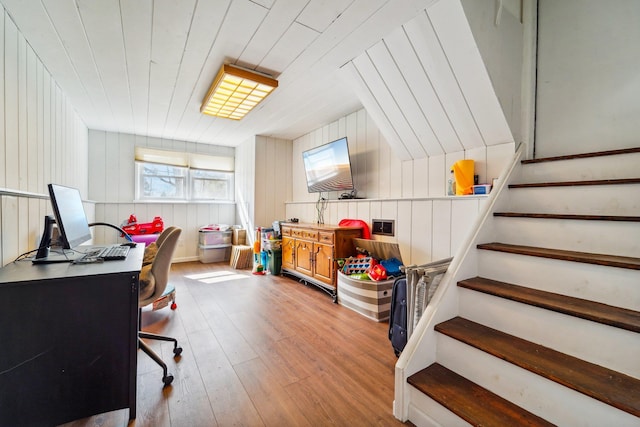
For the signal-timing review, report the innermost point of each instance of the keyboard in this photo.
(112, 253)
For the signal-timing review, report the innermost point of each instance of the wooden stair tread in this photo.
(602, 313)
(617, 181)
(613, 388)
(583, 155)
(476, 405)
(568, 216)
(583, 257)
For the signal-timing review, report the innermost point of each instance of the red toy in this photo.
(133, 228)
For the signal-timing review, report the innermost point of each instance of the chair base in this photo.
(166, 377)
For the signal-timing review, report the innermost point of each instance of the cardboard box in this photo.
(239, 237)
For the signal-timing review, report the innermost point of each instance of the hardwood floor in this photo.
(260, 351)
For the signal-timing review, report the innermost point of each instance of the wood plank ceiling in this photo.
(427, 88)
(143, 66)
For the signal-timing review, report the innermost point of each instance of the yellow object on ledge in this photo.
(463, 171)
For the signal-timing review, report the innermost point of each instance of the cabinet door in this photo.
(303, 253)
(323, 263)
(288, 253)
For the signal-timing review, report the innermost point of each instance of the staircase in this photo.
(539, 321)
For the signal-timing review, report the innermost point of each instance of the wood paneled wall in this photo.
(112, 187)
(273, 179)
(42, 140)
(429, 224)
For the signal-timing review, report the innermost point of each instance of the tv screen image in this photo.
(328, 167)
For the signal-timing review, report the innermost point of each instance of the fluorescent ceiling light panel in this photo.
(235, 91)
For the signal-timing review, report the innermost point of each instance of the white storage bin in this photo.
(211, 237)
(214, 253)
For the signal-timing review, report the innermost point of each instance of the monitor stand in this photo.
(57, 257)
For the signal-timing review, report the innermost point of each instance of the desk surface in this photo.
(25, 271)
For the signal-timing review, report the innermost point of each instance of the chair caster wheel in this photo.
(177, 351)
(174, 306)
(167, 380)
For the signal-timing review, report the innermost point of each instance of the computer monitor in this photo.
(71, 222)
(70, 217)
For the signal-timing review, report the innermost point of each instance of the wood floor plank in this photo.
(261, 350)
(230, 403)
(284, 362)
(271, 400)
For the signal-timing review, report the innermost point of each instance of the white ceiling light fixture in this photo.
(236, 91)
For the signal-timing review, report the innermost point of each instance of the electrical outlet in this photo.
(384, 227)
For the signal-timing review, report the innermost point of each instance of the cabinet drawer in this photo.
(286, 231)
(306, 234)
(325, 237)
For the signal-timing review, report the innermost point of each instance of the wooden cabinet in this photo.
(309, 252)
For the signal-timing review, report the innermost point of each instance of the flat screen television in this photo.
(328, 167)
(71, 221)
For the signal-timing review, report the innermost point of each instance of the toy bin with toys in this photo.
(365, 282)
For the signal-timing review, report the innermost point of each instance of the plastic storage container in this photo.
(214, 237)
(214, 253)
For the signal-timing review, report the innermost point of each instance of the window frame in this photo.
(220, 167)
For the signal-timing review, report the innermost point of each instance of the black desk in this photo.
(69, 340)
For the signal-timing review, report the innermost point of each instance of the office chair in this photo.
(153, 281)
(151, 249)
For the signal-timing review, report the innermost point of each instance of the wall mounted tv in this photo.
(328, 167)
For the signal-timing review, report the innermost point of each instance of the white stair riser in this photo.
(424, 411)
(608, 285)
(547, 399)
(578, 200)
(608, 167)
(603, 237)
(571, 335)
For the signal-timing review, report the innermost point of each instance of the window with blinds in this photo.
(170, 175)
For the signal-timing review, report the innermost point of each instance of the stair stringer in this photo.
(420, 350)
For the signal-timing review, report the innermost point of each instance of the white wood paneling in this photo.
(277, 22)
(273, 177)
(588, 85)
(11, 103)
(419, 137)
(143, 68)
(136, 33)
(373, 107)
(103, 37)
(42, 141)
(2, 111)
(423, 92)
(384, 97)
(451, 26)
(433, 60)
(429, 225)
(427, 88)
(62, 31)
